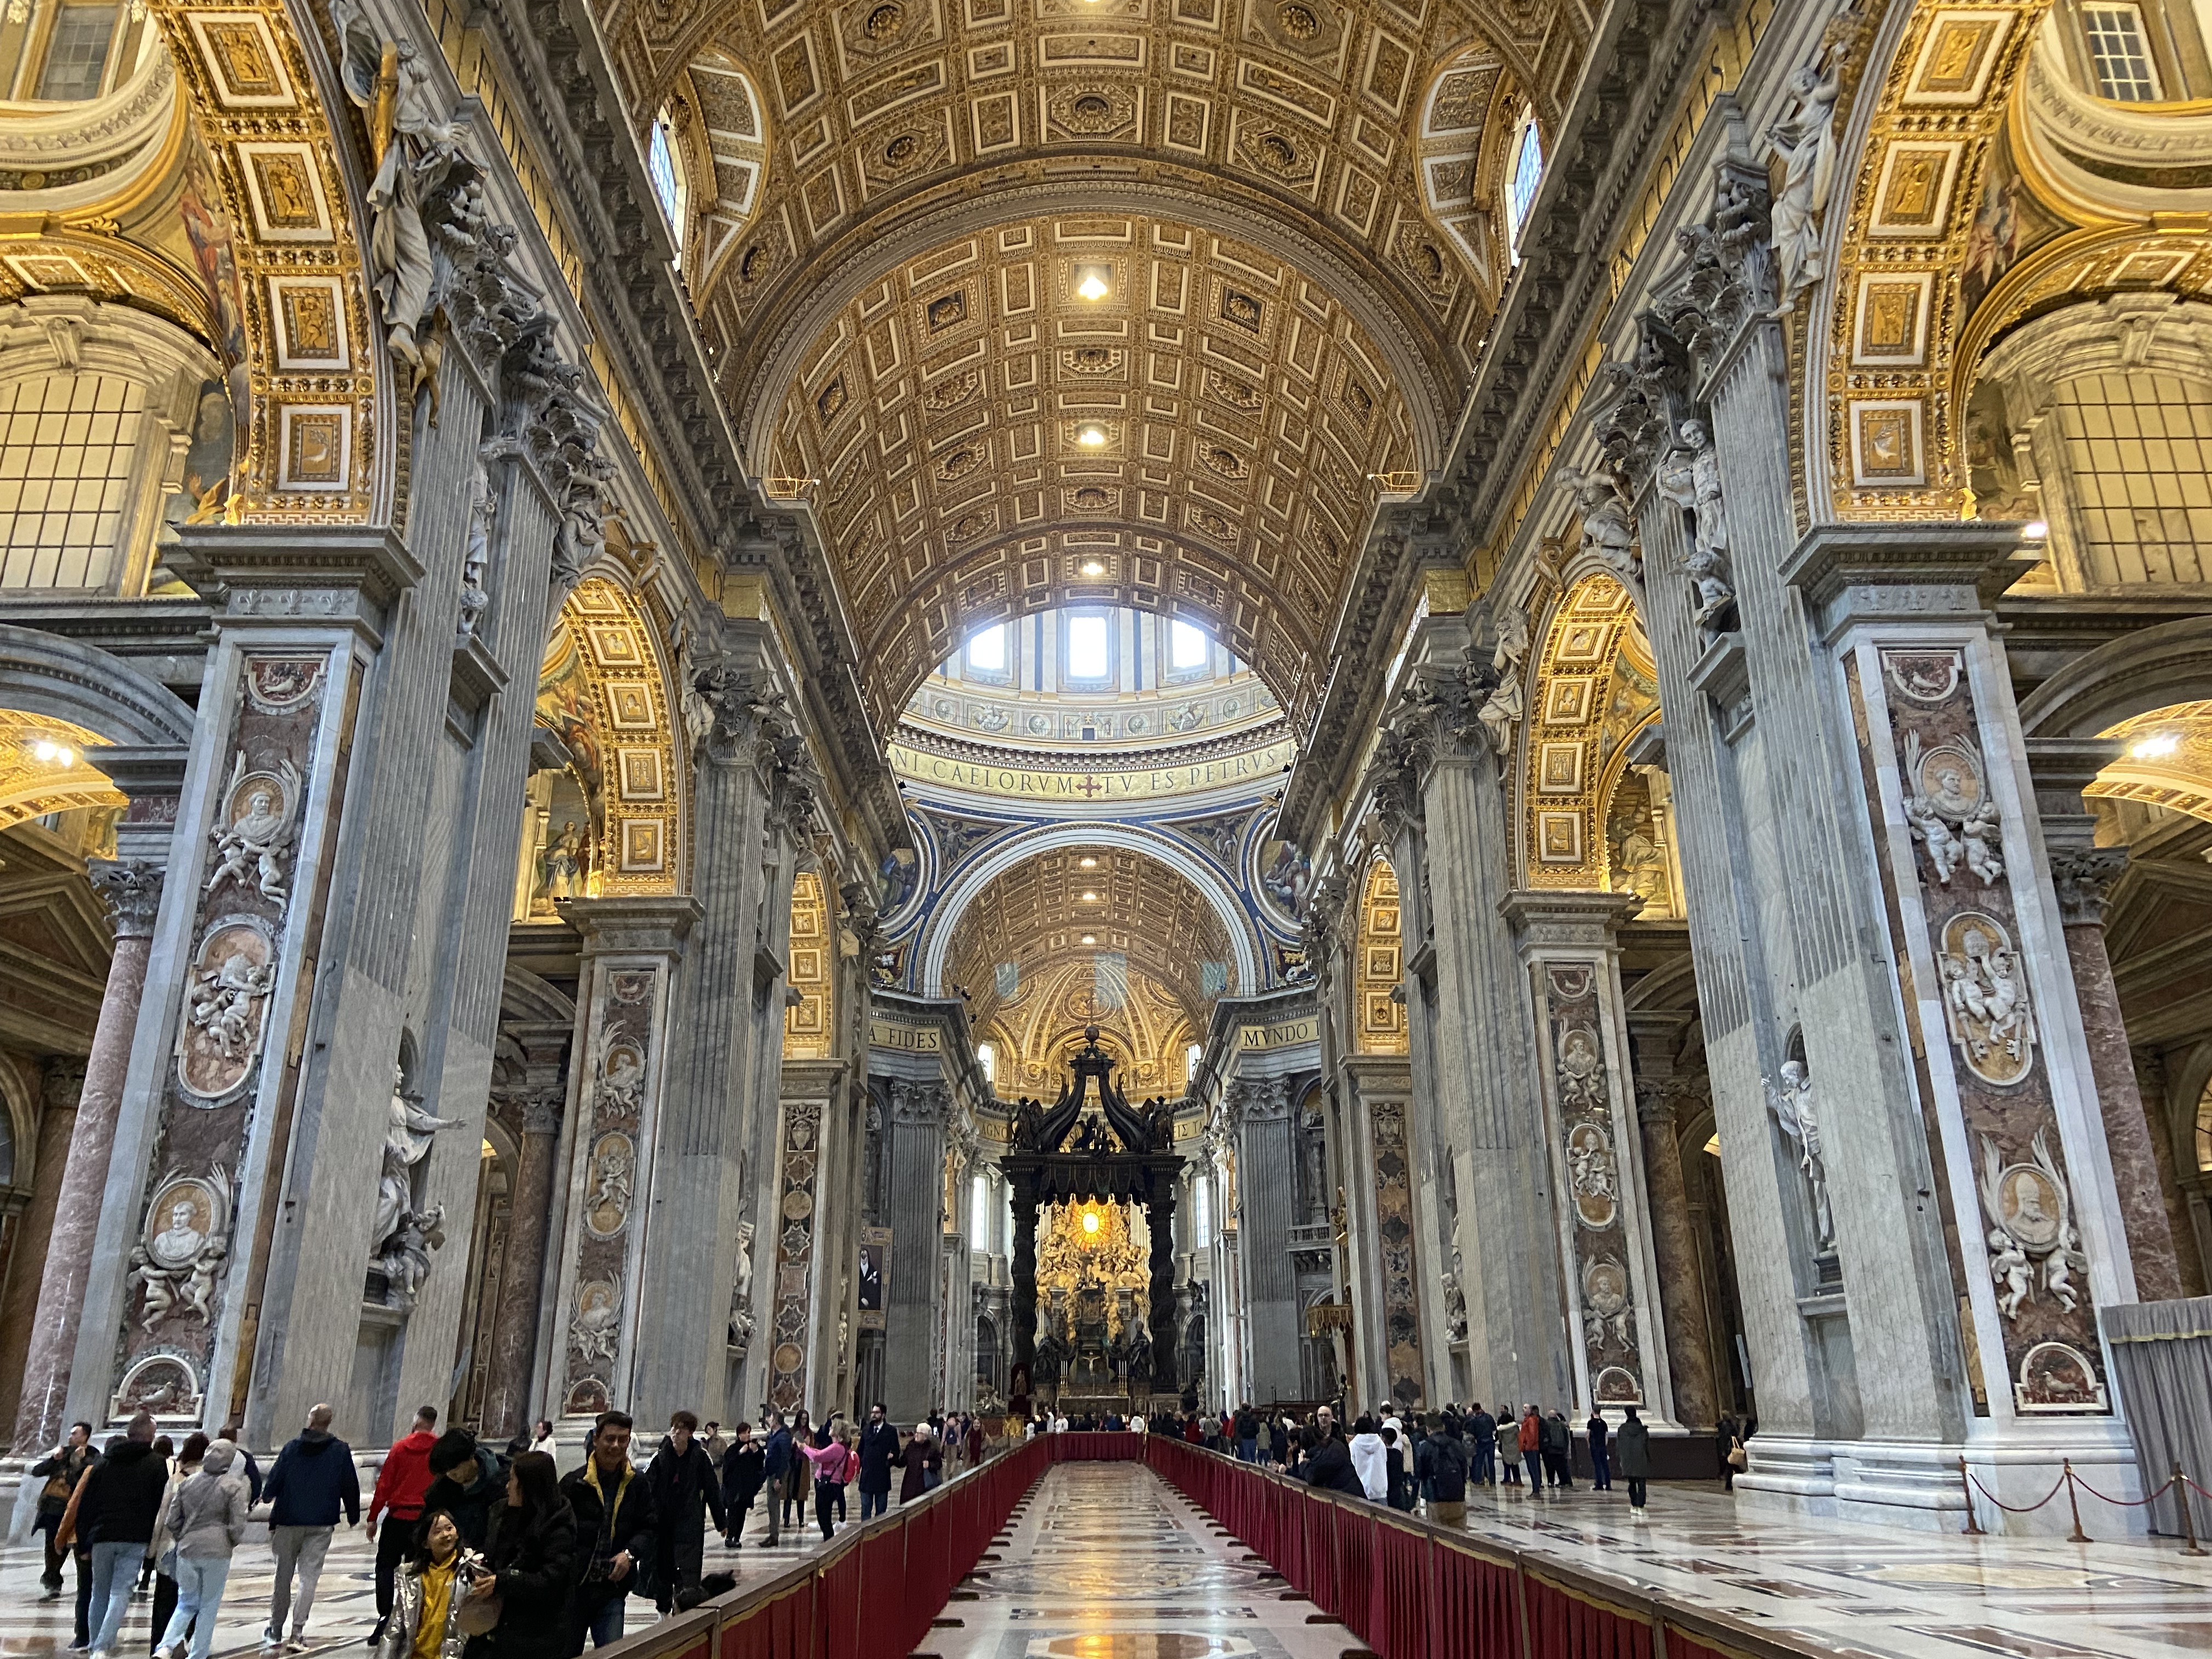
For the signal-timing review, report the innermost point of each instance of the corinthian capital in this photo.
(132, 888)
(2081, 877)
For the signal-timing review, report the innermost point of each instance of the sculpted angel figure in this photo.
(1983, 987)
(1607, 536)
(405, 1258)
(224, 1003)
(1928, 828)
(250, 849)
(1983, 833)
(1805, 139)
(2008, 1269)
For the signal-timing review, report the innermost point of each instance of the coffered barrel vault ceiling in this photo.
(1035, 914)
(1237, 418)
(1301, 199)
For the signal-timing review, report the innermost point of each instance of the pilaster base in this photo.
(1917, 1486)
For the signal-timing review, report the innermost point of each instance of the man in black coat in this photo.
(1330, 1468)
(615, 1532)
(467, 1482)
(744, 1469)
(115, 1510)
(1482, 1431)
(684, 1484)
(878, 1447)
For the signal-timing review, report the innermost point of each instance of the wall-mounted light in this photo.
(2035, 529)
(2157, 746)
(1093, 282)
(50, 753)
(1091, 434)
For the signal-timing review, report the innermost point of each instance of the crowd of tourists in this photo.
(1424, 1461)
(480, 1552)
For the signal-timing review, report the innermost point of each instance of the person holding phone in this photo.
(428, 1596)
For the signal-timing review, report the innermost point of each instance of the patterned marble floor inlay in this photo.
(1108, 1562)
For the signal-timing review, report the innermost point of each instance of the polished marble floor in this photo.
(345, 1601)
(1106, 1561)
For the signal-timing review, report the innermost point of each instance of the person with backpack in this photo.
(115, 1509)
(1446, 1456)
(1633, 1455)
(206, 1518)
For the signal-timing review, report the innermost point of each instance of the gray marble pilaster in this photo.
(1266, 1160)
(915, 1136)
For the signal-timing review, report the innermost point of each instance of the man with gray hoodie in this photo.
(206, 1517)
(313, 1477)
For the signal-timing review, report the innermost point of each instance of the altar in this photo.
(1094, 1245)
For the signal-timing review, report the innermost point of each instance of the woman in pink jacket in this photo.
(835, 1465)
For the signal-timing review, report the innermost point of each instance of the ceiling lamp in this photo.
(1092, 567)
(2156, 747)
(1087, 863)
(1090, 898)
(1091, 939)
(49, 752)
(1093, 282)
(1091, 434)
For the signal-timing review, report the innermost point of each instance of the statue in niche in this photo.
(561, 863)
(407, 1136)
(1796, 1108)
(741, 1291)
(476, 560)
(1455, 1299)
(1805, 140)
(1505, 707)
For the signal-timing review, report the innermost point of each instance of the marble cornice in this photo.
(1640, 65)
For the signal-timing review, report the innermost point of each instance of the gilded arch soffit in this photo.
(1379, 970)
(1955, 234)
(809, 1028)
(603, 688)
(269, 222)
(1035, 914)
(1594, 689)
(33, 785)
(2168, 761)
(1245, 414)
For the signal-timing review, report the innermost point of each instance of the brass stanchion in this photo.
(2077, 1536)
(1966, 1484)
(2188, 1517)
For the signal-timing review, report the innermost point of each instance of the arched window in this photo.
(987, 1057)
(666, 168)
(1202, 1214)
(1525, 173)
(1187, 646)
(1191, 1056)
(987, 650)
(979, 1219)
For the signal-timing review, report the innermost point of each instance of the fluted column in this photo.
(2150, 1200)
(132, 891)
(515, 1328)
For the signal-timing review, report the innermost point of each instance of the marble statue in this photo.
(405, 1257)
(563, 863)
(1690, 476)
(1607, 535)
(1949, 811)
(741, 1291)
(1503, 711)
(407, 1136)
(2032, 1232)
(253, 837)
(1985, 999)
(1796, 1106)
(178, 1264)
(412, 143)
(1805, 139)
(225, 1004)
(476, 562)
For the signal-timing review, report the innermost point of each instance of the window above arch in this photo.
(663, 165)
(1524, 172)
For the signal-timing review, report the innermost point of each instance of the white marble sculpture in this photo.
(1607, 536)
(1797, 1107)
(1502, 713)
(408, 1132)
(1804, 138)
(1690, 476)
(253, 836)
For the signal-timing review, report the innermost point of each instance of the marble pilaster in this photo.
(914, 1141)
(1393, 1335)
(616, 1108)
(1266, 1158)
(1570, 944)
(1442, 804)
(1689, 1320)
